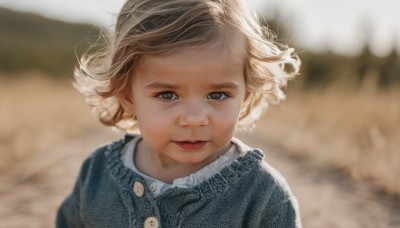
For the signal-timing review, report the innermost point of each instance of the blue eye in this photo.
(217, 96)
(167, 96)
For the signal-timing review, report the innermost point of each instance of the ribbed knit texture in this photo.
(246, 193)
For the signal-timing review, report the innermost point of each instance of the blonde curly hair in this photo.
(153, 27)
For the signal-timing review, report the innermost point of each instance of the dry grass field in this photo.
(355, 132)
(41, 121)
(35, 114)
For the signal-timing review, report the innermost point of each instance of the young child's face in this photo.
(187, 104)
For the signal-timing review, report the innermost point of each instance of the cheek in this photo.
(232, 110)
(227, 119)
(153, 120)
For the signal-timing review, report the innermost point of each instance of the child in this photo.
(185, 73)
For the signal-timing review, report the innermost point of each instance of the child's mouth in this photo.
(187, 145)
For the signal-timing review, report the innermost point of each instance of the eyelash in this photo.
(175, 97)
(160, 94)
(224, 95)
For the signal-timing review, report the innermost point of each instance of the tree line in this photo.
(31, 42)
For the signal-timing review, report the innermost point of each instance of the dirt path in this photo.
(32, 190)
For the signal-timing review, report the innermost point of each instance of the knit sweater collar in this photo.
(214, 186)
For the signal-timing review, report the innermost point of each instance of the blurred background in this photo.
(341, 116)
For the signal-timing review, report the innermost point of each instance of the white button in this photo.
(138, 189)
(153, 187)
(151, 222)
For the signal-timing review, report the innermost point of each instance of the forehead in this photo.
(192, 65)
(225, 43)
(197, 55)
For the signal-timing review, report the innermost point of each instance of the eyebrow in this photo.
(226, 85)
(160, 85)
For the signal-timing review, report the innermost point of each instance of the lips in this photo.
(191, 145)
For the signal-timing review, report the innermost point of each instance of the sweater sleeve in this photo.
(68, 214)
(282, 211)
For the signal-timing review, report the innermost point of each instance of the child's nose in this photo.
(194, 115)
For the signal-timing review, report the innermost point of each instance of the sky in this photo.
(338, 25)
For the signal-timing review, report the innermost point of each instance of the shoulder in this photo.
(274, 198)
(268, 174)
(263, 179)
(283, 206)
(270, 199)
(98, 161)
(262, 175)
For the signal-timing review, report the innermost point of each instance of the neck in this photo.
(164, 169)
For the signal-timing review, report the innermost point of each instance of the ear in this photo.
(126, 101)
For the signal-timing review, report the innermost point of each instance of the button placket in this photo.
(138, 189)
(153, 187)
(151, 222)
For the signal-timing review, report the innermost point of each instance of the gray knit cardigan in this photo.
(246, 193)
